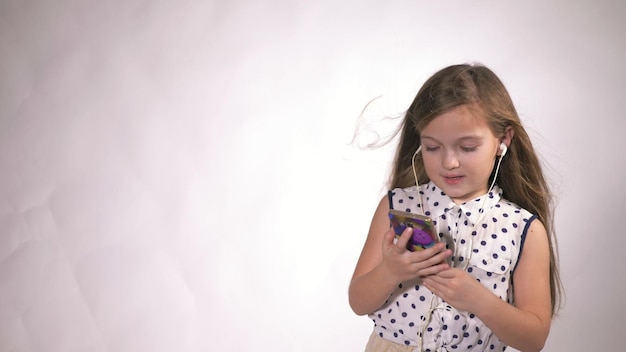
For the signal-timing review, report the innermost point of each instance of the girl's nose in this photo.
(450, 161)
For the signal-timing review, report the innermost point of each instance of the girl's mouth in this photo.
(452, 180)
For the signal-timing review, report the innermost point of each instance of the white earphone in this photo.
(503, 148)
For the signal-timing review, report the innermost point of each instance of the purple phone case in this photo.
(423, 230)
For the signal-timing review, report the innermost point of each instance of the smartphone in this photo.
(423, 229)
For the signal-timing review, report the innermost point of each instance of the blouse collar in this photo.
(437, 203)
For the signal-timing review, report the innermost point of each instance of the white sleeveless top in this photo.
(488, 251)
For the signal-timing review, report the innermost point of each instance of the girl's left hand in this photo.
(457, 288)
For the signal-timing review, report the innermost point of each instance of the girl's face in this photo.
(459, 150)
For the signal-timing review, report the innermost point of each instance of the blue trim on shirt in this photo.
(523, 240)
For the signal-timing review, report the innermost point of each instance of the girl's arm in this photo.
(383, 265)
(524, 326)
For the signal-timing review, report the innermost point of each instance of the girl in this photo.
(492, 280)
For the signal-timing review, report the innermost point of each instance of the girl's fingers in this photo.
(433, 269)
(437, 253)
(388, 238)
(432, 259)
(404, 239)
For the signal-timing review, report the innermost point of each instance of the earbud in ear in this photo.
(503, 149)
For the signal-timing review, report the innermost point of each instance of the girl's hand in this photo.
(405, 265)
(456, 287)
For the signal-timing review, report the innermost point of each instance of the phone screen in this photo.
(423, 229)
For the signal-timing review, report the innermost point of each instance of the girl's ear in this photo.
(507, 138)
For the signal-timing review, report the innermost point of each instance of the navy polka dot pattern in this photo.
(487, 250)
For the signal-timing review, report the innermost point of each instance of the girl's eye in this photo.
(431, 149)
(469, 149)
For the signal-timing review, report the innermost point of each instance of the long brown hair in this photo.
(521, 176)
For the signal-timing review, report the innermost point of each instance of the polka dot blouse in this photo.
(486, 244)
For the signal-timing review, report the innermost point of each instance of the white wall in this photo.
(176, 176)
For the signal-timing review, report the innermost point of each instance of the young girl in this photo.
(492, 281)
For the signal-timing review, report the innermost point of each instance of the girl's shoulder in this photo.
(413, 191)
(405, 199)
(403, 192)
(508, 207)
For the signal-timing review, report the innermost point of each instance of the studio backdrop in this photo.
(194, 175)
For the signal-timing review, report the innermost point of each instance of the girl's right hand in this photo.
(383, 265)
(404, 265)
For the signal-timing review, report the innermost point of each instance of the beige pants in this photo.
(378, 344)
